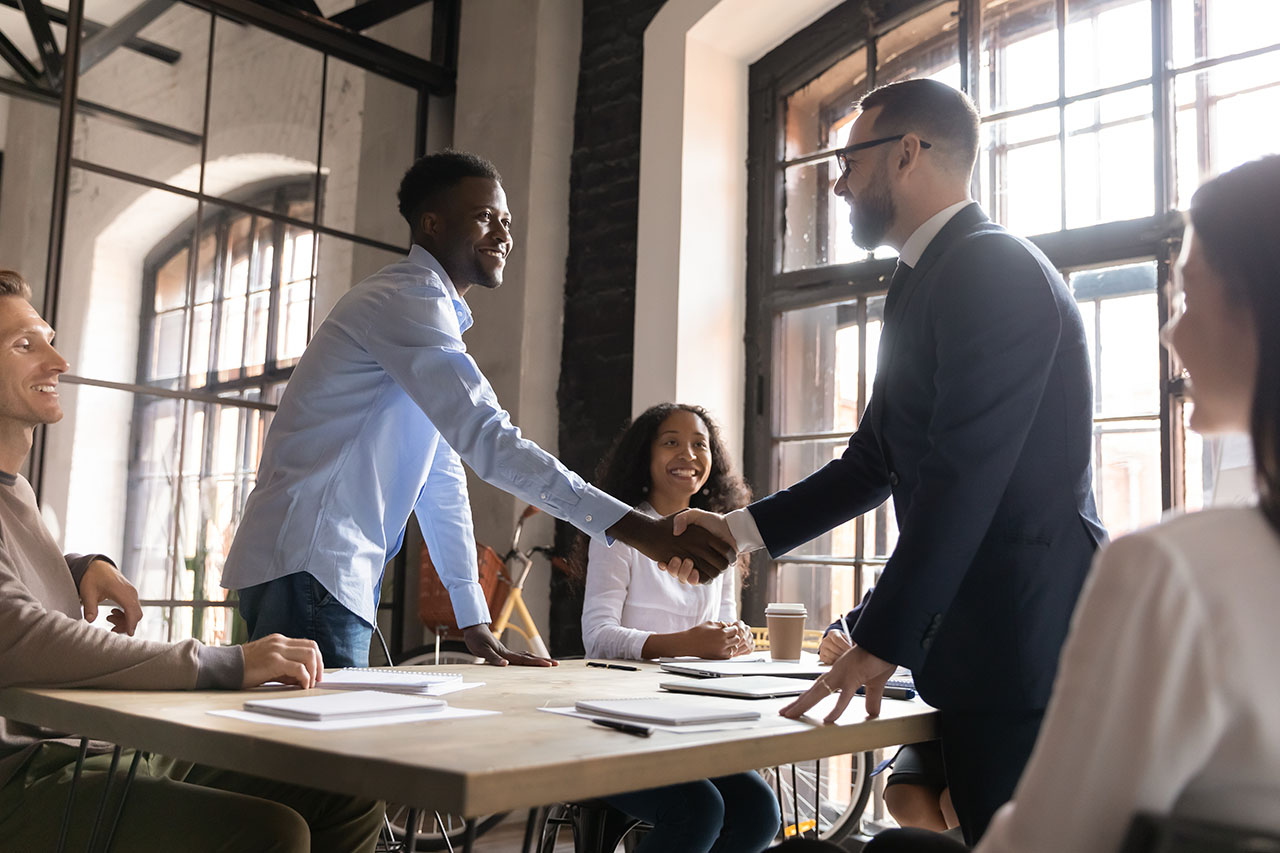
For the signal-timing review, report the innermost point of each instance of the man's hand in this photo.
(683, 569)
(833, 645)
(700, 553)
(278, 658)
(855, 668)
(103, 582)
(481, 643)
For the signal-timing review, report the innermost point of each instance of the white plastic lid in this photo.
(778, 608)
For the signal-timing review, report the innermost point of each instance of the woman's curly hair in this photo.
(624, 472)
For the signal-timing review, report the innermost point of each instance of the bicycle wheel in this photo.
(845, 785)
(432, 833)
(444, 834)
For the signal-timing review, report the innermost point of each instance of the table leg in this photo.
(469, 835)
(71, 795)
(411, 831)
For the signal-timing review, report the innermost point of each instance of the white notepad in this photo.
(389, 679)
(664, 710)
(339, 706)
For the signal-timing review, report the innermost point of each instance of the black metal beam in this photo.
(308, 6)
(52, 98)
(445, 24)
(364, 15)
(38, 20)
(18, 61)
(337, 41)
(102, 44)
(138, 45)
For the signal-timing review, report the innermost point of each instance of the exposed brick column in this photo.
(599, 298)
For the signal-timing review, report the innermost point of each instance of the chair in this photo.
(597, 827)
(1152, 833)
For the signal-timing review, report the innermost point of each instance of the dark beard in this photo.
(873, 214)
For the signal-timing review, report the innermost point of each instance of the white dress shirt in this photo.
(628, 598)
(370, 428)
(741, 525)
(1167, 698)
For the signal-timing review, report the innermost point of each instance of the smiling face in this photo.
(679, 461)
(865, 187)
(469, 233)
(1216, 341)
(29, 371)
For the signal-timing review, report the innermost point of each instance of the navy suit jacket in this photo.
(980, 426)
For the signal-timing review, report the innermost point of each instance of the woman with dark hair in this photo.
(1166, 699)
(671, 458)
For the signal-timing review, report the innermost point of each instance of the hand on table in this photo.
(855, 668)
(483, 644)
(700, 554)
(833, 645)
(284, 659)
(103, 582)
(718, 640)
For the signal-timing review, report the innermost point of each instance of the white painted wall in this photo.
(692, 240)
(517, 86)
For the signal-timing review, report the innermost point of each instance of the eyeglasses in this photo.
(842, 156)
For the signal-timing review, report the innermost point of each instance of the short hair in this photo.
(1236, 228)
(937, 113)
(429, 177)
(13, 284)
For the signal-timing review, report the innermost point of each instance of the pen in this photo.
(627, 728)
(844, 623)
(599, 665)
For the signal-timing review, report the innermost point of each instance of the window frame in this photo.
(771, 291)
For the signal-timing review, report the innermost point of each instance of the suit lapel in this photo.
(958, 226)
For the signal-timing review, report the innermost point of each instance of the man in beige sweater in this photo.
(46, 640)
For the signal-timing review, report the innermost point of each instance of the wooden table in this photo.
(519, 759)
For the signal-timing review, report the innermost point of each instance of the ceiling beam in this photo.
(100, 45)
(138, 45)
(370, 13)
(18, 61)
(50, 55)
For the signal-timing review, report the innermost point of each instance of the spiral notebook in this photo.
(665, 710)
(390, 680)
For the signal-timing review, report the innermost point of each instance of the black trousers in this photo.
(985, 753)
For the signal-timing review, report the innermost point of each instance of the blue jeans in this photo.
(729, 814)
(298, 605)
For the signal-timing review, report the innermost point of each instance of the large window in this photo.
(1099, 119)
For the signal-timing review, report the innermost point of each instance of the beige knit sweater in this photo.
(44, 640)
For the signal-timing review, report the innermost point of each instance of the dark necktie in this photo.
(900, 274)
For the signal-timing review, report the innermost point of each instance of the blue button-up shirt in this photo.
(370, 428)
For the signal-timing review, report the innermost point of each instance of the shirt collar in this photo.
(913, 249)
(423, 258)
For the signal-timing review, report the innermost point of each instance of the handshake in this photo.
(693, 545)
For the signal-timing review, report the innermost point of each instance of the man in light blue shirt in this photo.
(379, 414)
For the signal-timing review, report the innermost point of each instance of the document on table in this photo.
(393, 680)
(355, 722)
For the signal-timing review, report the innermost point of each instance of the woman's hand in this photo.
(833, 645)
(715, 640)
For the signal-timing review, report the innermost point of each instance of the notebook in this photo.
(339, 706)
(388, 679)
(664, 710)
(746, 687)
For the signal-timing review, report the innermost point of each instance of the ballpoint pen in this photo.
(627, 728)
(599, 665)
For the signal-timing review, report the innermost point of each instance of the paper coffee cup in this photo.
(786, 630)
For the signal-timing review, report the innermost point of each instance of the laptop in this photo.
(809, 669)
(664, 710)
(746, 687)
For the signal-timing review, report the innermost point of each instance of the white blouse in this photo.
(1167, 698)
(629, 598)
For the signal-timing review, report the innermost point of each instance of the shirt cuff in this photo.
(469, 606)
(596, 512)
(221, 668)
(746, 535)
(79, 564)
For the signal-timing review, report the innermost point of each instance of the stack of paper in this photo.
(340, 706)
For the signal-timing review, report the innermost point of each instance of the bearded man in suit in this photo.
(980, 427)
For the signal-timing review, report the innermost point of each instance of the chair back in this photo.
(1151, 833)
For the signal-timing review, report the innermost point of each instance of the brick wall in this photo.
(599, 309)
